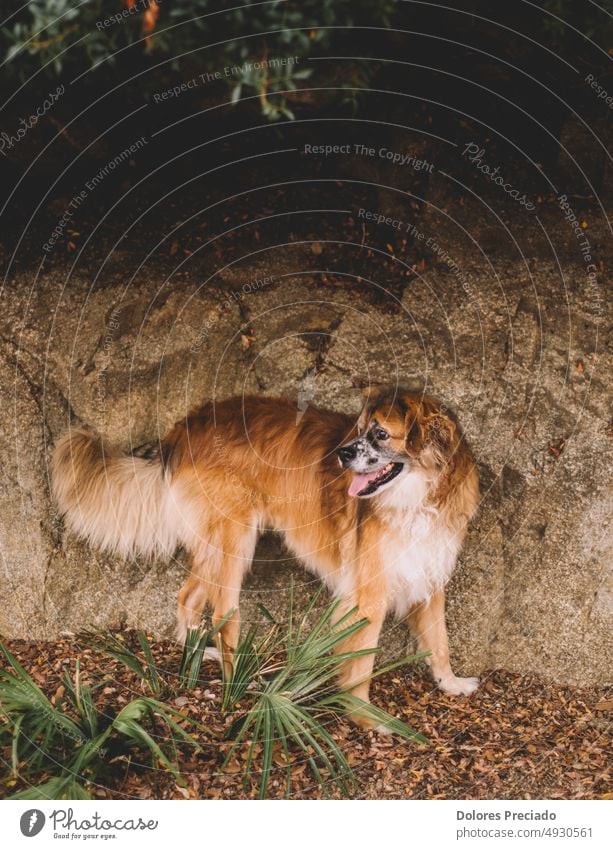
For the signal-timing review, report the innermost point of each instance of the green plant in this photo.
(282, 693)
(117, 648)
(60, 748)
(194, 652)
(159, 682)
(284, 689)
(237, 42)
(564, 19)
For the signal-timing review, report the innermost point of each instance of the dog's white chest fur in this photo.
(419, 551)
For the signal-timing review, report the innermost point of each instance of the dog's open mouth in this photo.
(366, 484)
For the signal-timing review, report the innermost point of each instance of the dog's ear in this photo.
(364, 415)
(427, 425)
(371, 392)
(415, 434)
(443, 431)
(443, 436)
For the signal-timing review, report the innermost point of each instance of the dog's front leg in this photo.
(427, 622)
(356, 672)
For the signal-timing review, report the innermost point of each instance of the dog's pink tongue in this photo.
(360, 482)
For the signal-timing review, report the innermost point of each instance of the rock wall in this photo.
(533, 591)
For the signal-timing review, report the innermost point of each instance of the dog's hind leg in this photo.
(237, 556)
(198, 589)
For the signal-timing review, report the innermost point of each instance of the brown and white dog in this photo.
(377, 508)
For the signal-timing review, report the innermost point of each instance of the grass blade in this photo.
(59, 787)
(153, 676)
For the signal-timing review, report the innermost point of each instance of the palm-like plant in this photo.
(72, 741)
(284, 688)
(159, 682)
(282, 691)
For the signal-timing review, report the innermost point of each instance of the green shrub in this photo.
(282, 697)
(285, 693)
(60, 748)
(56, 36)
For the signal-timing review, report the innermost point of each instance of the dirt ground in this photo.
(517, 737)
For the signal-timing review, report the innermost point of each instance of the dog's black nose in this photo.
(346, 453)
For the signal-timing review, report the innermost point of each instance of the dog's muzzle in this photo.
(371, 469)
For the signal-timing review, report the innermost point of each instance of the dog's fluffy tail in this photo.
(122, 504)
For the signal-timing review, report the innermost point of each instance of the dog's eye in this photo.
(381, 434)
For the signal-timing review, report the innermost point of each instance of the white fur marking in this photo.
(418, 552)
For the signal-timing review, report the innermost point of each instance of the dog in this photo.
(377, 507)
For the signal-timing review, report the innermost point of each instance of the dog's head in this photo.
(398, 431)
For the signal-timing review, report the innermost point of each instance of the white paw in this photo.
(458, 686)
(383, 729)
(211, 653)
